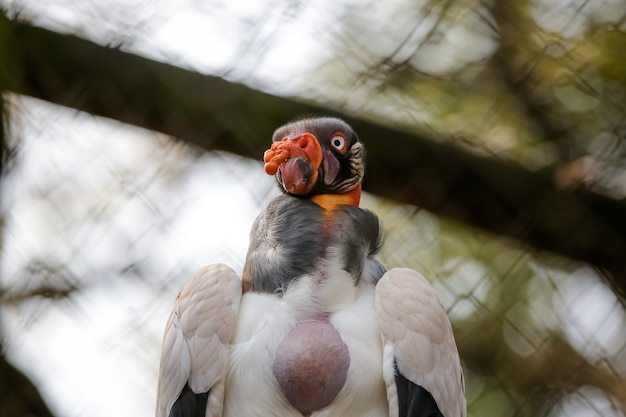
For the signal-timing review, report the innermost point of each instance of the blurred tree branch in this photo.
(218, 115)
(538, 377)
(44, 291)
(518, 75)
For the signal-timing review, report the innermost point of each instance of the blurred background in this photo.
(112, 195)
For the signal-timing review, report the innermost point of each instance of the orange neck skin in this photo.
(332, 201)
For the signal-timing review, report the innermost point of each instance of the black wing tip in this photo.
(414, 400)
(190, 404)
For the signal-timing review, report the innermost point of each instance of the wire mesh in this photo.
(103, 222)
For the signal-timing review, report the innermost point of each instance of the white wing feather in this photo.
(418, 334)
(197, 335)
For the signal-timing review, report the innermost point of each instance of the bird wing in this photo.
(194, 356)
(422, 369)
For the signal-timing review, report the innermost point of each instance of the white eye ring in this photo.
(338, 142)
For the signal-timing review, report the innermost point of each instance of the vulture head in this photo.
(317, 158)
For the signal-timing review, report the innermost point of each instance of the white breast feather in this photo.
(265, 319)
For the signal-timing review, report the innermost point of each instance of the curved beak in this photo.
(296, 162)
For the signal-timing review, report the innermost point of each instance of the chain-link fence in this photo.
(102, 221)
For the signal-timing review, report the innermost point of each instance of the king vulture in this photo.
(315, 326)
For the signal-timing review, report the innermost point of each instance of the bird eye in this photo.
(338, 142)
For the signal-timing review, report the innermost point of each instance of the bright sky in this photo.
(96, 354)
